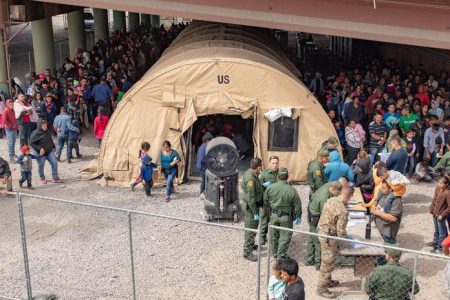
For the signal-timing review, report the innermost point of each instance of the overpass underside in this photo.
(411, 22)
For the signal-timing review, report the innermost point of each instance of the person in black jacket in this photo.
(295, 287)
(42, 144)
(5, 174)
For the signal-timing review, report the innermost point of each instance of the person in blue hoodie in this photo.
(146, 170)
(74, 138)
(336, 168)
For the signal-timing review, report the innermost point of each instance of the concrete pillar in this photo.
(43, 46)
(119, 20)
(3, 67)
(350, 48)
(101, 24)
(155, 21)
(133, 20)
(77, 35)
(145, 19)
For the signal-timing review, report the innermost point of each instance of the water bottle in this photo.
(368, 231)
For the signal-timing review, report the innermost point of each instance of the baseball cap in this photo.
(323, 153)
(283, 170)
(332, 140)
(24, 149)
(394, 253)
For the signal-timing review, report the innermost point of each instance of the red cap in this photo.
(24, 149)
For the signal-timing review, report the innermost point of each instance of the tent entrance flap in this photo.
(236, 128)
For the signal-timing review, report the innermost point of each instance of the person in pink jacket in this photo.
(100, 123)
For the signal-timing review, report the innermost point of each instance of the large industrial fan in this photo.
(222, 190)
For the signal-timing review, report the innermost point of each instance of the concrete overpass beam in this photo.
(119, 20)
(101, 24)
(133, 20)
(145, 19)
(155, 21)
(43, 45)
(3, 66)
(77, 35)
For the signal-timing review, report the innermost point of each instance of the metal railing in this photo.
(410, 257)
(418, 262)
(129, 213)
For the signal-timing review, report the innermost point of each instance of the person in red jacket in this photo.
(100, 123)
(423, 96)
(10, 125)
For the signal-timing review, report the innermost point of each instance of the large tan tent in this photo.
(216, 69)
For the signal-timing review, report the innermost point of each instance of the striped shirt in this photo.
(378, 129)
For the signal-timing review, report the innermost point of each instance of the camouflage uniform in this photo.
(266, 176)
(333, 222)
(284, 202)
(315, 207)
(390, 281)
(253, 200)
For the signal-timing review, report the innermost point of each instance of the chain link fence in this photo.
(358, 268)
(120, 253)
(116, 253)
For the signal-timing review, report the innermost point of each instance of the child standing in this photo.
(26, 164)
(147, 167)
(74, 138)
(138, 180)
(411, 149)
(440, 209)
(276, 285)
(100, 123)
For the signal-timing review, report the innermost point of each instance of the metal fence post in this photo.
(414, 276)
(258, 279)
(269, 233)
(24, 246)
(130, 238)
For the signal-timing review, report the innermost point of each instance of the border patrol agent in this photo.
(331, 144)
(267, 177)
(315, 208)
(391, 281)
(316, 176)
(333, 222)
(286, 206)
(253, 200)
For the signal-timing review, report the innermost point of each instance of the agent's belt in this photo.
(279, 213)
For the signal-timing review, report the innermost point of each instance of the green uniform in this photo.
(316, 176)
(253, 200)
(266, 176)
(443, 164)
(391, 282)
(284, 202)
(315, 207)
(333, 222)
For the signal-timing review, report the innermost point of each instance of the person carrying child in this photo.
(26, 164)
(147, 167)
(276, 284)
(387, 213)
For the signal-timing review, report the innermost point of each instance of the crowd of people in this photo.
(389, 122)
(378, 101)
(50, 110)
